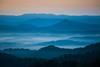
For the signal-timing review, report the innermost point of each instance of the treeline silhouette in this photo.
(89, 56)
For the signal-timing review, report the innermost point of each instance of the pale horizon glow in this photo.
(58, 7)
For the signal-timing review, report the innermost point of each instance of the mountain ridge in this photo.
(51, 51)
(49, 23)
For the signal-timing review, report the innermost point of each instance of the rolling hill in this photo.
(51, 51)
(46, 23)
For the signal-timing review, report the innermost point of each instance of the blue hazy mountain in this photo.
(19, 52)
(54, 22)
(44, 19)
(27, 22)
(47, 52)
(88, 56)
(75, 26)
(49, 23)
(65, 43)
(51, 51)
(34, 19)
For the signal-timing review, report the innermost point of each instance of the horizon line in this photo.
(44, 14)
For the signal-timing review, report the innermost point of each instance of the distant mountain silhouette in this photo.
(19, 52)
(49, 48)
(50, 23)
(34, 19)
(74, 26)
(63, 43)
(50, 56)
(51, 51)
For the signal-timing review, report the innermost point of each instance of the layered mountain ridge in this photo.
(49, 23)
(51, 51)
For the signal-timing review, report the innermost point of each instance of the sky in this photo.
(67, 7)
